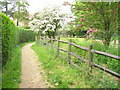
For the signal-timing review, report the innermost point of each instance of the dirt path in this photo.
(31, 70)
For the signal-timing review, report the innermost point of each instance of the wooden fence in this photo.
(89, 49)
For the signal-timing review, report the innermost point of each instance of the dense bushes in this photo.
(26, 35)
(8, 30)
(12, 35)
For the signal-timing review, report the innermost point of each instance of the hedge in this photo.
(12, 35)
(26, 35)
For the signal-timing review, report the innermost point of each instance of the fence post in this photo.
(69, 50)
(114, 42)
(58, 45)
(47, 39)
(43, 40)
(119, 42)
(36, 38)
(39, 39)
(90, 57)
(51, 41)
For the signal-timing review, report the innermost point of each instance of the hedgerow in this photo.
(12, 35)
(26, 35)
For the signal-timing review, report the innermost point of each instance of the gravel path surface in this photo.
(31, 70)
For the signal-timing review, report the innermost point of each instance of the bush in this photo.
(26, 35)
(12, 35)
(8, 30)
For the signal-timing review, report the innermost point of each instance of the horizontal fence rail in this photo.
(106, 54)
(78, 57)
(63, 41)
(106, 70)
(63, 50)
(90, 54)
(75, 66)
(81, 47)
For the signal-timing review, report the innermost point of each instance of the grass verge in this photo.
(62, 75)
(12, 70)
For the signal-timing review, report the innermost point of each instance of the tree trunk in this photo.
(17, 23)
(53, 35)
(107, 36)
(107, 39)
(106, 42)
(49, 34)
(6, 8)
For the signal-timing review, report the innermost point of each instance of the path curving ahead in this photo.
(31, 71)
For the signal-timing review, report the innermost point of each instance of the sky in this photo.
(38, 5)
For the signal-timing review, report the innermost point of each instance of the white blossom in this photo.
(47, 19)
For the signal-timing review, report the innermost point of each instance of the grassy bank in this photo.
(62, 75)
(12, 69)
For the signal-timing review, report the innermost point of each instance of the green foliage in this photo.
(6, 8)
(26, 35)
(8, 31)
(11, 36)
(99, 15)
(16, 9)
(26, 27)
(22, 14)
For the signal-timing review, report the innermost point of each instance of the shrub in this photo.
(26, 35)
(12, 35)
(8, 30)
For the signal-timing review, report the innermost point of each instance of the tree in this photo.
(17, 9)
(48, 21)
(8, 7)
(100, 15)
(22, 14)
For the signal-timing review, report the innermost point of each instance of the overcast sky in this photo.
(37, 5)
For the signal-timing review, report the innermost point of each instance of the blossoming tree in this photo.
(48, 21)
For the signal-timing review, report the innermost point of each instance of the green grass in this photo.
(108, 62)
(12, 69)
(62, 75)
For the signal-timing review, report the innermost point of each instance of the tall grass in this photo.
(60, 74)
